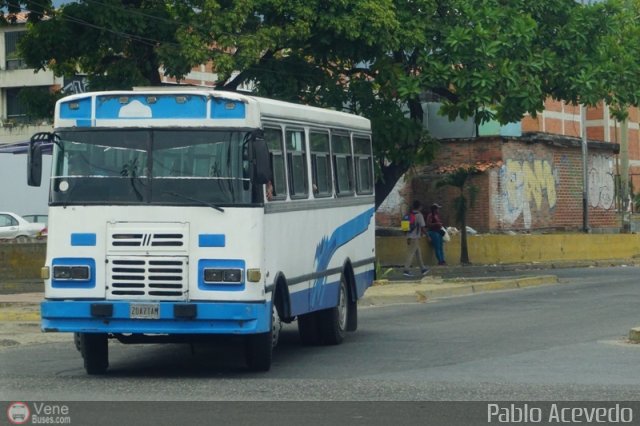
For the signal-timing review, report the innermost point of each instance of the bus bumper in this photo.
(173, 318)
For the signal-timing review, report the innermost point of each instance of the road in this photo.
(556, 342)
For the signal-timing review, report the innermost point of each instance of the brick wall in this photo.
(536, 184)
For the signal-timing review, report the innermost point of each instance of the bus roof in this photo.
(185, 106)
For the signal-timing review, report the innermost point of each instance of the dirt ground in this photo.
(20, 322)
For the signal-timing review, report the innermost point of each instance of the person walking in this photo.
(436, 232)
(416, 231)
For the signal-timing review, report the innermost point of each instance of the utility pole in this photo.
(624, 171)
(585, 170)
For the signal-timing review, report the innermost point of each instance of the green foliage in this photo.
(382, 273)
(486, 59)
(39, 104)
(36, 10)
(116, 43)
(459, 178)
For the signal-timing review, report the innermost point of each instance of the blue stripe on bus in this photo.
(327, 247)
(363, 282)
(299, 302)
(300, 299)
(211, 318)
(211, 240)
(151, 107)
(82, 239)
(223, 108)
(77, 109)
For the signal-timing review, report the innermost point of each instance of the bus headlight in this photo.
(222, 276)
(76, 273)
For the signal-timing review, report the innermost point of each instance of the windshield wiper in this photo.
(129, 170)
(184, 197)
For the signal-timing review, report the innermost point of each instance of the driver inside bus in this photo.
(269, 191)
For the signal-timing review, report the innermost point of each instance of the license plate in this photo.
(144, 310)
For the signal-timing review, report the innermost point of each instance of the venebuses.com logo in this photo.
(55, 413)
(18, 413)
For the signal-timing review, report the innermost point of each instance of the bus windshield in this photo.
(151, 166)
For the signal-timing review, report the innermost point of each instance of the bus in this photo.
(179, 214)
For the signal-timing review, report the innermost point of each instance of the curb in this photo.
(405, 292)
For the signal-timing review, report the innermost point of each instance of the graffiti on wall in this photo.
(524, 185)
(602, 187)
(75, 85)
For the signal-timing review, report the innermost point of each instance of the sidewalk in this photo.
(385, 292)
(448, 281)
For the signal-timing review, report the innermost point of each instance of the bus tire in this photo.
(259, 351)
(259, 347)
(77, 341)
(352, 315)
(333, 322)
(308, 329)
(95, 351)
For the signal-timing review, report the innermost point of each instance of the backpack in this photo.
(408, 222)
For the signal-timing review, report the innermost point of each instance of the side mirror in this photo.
(262, 161)
(34, 158)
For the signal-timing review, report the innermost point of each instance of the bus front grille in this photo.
(147, 278)
(147, 240)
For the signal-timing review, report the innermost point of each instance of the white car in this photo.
(16, 227)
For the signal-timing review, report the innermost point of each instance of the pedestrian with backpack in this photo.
(436, 231)
(414, 234)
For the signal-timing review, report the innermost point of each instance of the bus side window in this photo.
(297, 164)
(320, 164)
(273, 138)
(363, 163)
(342, 163)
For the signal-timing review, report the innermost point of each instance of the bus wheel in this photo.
(259, 347)
(77, 341)
(333, 322)
(308, 328)
(95, 351)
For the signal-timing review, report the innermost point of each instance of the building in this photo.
(532, 171)
(15, 127)
(14, 77)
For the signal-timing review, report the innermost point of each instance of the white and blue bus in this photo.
(177, 214)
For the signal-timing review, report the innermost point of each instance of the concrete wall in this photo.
(524, 248)
(21, 261)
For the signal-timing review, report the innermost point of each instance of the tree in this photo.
(458, 178)
(486, 59)
(10, 8)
